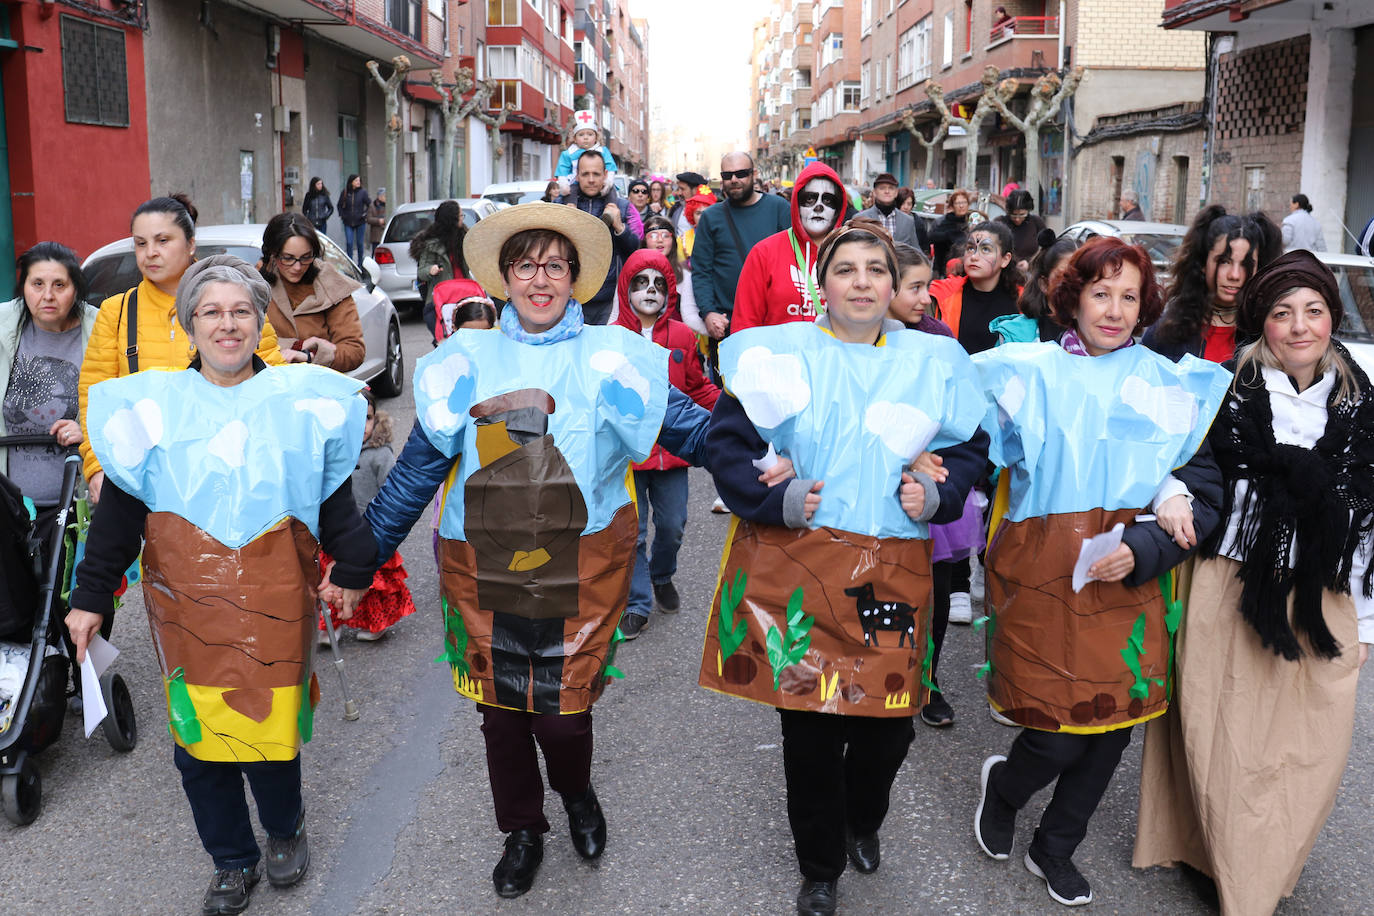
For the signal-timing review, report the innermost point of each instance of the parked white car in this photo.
(515, 192)
(393, 254)
(112, 270)
(1355, 279)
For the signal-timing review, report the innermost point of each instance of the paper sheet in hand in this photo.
(1094, 549)
(99, 654)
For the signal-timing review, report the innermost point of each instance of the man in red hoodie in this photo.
(645, 288)
(778, 281)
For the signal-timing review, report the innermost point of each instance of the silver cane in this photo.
(350, 708)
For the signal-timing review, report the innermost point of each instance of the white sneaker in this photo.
(1001, 719)
(322, 638)
(369, 636)
(960, 608)
(719, 507)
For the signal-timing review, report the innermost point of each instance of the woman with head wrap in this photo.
(1238, 781)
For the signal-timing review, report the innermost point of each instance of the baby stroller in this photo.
(32, 609)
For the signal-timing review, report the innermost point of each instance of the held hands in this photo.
(1115, 566)
(931, 465)
(83, 625)
(1175, 516)
(813, 500)
(716, 324)
(781, 472)
(344, 599)
(913, 495)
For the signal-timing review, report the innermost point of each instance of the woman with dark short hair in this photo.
(312, 304)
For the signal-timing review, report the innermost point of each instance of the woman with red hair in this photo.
(1093, 431)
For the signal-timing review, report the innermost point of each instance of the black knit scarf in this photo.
(1318, 500)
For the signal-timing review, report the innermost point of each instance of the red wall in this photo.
(73, 183)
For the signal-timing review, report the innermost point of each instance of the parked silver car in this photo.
(393, 254)
(1158, 239)
(515, 192)
(112, 270)
(1355, 279)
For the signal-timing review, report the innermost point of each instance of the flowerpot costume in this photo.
(532, 437)
(829, 623)
(1086, 443)
(233, 490)
(1239, 779)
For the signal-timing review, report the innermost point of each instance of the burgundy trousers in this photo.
(517, 789)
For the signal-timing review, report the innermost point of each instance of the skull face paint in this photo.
(818, 203)
(648, 292)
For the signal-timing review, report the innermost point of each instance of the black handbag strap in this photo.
(131, 351)
(734, 231)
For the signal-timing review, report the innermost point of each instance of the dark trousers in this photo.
(839, 775)
(1083, 764)
(215, 791)
(947, 577)
(517, 790)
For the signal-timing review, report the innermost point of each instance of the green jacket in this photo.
(13, 315)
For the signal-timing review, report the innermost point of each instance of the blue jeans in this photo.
(215, 791)
(353, 241)
(666, 493)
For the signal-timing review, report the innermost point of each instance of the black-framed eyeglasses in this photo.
(737, 173)
(291, 260)
(809, 198)
(554, 268)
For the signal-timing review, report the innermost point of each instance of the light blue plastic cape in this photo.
(1088, 432)
(854, 415)
(231, 461)
(610, 392)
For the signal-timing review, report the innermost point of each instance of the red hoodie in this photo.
(684, 363)
(772, 288)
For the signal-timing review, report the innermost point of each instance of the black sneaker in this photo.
(994, 823)
(631, 625)
(1064, 881)
(667, 598)
(229, 890)
(937, 713)
(289, 857)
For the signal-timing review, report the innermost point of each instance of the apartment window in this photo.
(802, 79)
(948, 57)
(913, 54)
(866, 16)
(888, 78)
(506, 91)
(849, 96)
(405, 16)
(833, 49)
(865, 82)
(503, 12)
(503, 62)
(95, 82)
(803, 119)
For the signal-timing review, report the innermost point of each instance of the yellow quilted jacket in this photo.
(162, 343)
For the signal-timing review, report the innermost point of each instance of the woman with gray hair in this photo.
(232, 473)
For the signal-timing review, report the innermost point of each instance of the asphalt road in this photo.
(399, 812)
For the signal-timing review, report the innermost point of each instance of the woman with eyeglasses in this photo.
(138, 329)
(312, 303)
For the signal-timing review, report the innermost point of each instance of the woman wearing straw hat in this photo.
(535, 428)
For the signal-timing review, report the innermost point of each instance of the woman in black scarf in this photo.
(1239, 778)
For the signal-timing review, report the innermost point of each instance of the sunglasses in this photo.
(737, 173)
(639, 190)
(809, 198)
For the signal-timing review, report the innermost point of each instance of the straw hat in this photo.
(588, 235)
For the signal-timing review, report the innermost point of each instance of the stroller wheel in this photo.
(22, 794)
(119, 726)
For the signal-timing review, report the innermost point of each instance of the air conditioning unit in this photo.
(412, 141)
(281, 119)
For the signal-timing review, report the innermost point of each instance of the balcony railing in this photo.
(1025, 27)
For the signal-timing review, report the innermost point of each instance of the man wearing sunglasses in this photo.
(724, 236)
(778, 282)
(903, 227)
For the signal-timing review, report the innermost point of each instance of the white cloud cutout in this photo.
(230, 444)
(1171, 408)
(618, 367)
(438, 379)
(328, 411)
(436, 383)
(1012, 396)
(904, 429)
(132, 432)
(770, 386)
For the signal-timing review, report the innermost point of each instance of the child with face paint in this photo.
(646, 286)
(989, 288)
(778, 281)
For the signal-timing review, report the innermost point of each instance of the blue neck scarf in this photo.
(568, 326)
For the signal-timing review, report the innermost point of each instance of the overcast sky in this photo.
(699, 61)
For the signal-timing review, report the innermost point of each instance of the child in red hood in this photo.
(645, 287)
(778, 281)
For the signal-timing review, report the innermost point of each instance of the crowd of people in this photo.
(884, 408)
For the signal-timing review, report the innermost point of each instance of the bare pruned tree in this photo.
(1046, 96)
(391, 89)
(465, 96)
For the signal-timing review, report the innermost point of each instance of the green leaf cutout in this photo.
(730, 632)
(455, 652)
(785, 649)
(181, 711)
